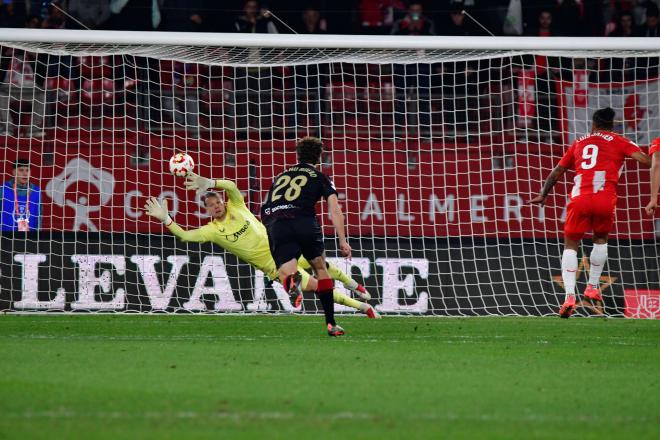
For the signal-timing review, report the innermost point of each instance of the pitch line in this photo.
(238, 416)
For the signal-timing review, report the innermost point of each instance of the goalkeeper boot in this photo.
(292, 286)
(592, 293)
(567, 308)
(372, 313)
(335, 330)
(361, 293)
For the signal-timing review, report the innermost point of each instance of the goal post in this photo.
(436, 145)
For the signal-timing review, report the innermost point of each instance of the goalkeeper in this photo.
(234, 228)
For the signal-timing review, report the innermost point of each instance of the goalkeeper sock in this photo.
(339, 275)
(569, 266)
(342, 299)
(324, 292)
(597, 259)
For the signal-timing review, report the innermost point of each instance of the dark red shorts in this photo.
(590, 212)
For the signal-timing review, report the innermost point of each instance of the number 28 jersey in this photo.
(295, 192)
(597, 159)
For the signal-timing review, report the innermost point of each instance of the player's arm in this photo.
(201, 184)
(337, 217)
(159, 211)
(642, 158)
(231, 189)
(550, 181)
(655, 183)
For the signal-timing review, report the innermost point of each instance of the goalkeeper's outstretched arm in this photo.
(159, 211)
(201, 184)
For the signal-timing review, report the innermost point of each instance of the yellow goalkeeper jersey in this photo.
(239, 232)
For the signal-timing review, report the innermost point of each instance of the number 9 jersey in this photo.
(294, 193)
(597, 159)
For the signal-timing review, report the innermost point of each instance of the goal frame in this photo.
(471, 48)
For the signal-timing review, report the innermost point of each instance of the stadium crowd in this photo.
(188, 95)
(422, 17)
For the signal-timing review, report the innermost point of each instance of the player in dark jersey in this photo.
(290, 217)
(597, 159)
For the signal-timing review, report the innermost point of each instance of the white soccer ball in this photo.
(181, 164)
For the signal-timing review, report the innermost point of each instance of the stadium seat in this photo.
(216, 104)
(97, 91)
(94, 67)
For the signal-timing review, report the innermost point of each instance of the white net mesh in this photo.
(435, 154)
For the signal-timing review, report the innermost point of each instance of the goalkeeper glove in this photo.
(198, 183)
(158, 211)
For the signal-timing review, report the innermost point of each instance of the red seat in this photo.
(94, 67)
(342, 97)
(215, 103)
(98, 91)
(380, 96)
(66, 100)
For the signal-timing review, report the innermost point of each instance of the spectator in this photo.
(180, 101)
(135, 15)
(378, 16)
(614, 8)
(456, 24)
(21, 201)
(414, 23)
(33, 22)
(412, 82)
(650, 26)
(38, 8)
(92, 13)
(183, 16)
(543, 26)
(570, 18)
(12, 14)
(624, 27)
(254, 20)
(312, 23)
(18, 90)
(55, 18)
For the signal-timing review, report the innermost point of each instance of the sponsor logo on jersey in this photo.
(236, 235)
(281, 207)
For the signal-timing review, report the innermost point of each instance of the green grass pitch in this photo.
(178, 377)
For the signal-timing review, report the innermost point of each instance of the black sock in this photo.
(324, 292)
(328, 303)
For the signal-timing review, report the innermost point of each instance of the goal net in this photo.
(435, 145)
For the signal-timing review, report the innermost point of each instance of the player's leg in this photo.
(310, 238)
(577, 223)
(602, 222)
(324, 291)
(569, 265)
(285, 251)
(597, 260)
(348, 282)
(309, 284)
(338, 275)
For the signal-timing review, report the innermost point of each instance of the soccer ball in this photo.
(181, 164)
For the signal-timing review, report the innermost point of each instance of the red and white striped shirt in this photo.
(598, 161)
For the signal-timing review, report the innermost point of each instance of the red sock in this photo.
(324, 292)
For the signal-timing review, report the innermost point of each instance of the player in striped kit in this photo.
(597, 159)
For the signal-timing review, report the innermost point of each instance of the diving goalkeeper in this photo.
(234, 228)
